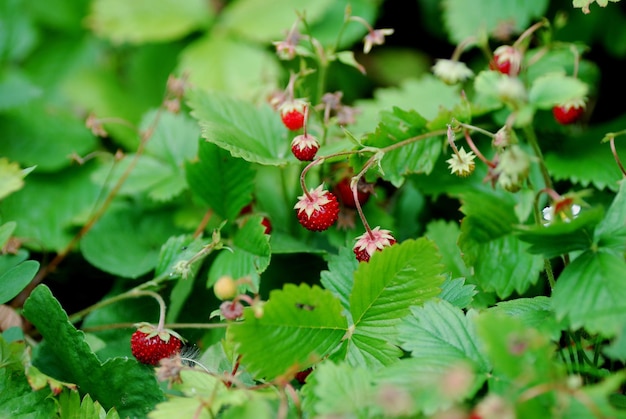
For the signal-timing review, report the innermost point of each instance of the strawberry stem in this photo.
(303, 174)
(614, 151)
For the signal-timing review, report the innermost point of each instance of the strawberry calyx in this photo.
(151, 331)
(304, 147)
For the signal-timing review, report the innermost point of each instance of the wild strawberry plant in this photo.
(262, 209)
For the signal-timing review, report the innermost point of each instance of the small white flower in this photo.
(462, 163)
(451, 71)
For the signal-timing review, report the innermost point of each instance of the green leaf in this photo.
(64, 206)
(70, 407)
(249, 256)
(19, 34)
(222, 63)
(560, 238)
(440, 96)
(611, 231)
(591, 293)
(16, 89)
(127, 239)
(253, 133)
(464, 20)
(6, 231)
(43, 135)
(384, 288)
(105, 382)
(457, 292)
(142, 21)
(339, 278)
(487, 242)
(554, 89)
(338, 390)
(446, 235)
(584, 4)
(15, 279)
(265, 22)
(440, 329)
(223, 182)
(416, 157)
(534, 312)
(301, 323)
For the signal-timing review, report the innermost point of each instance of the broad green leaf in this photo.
(416, 157)
(71, 406)
(42, 135)
(127, 239)
(440, 96)
(105, 382)
(555, 89)
(611, 230)
(384, 288)
(15, 279)
(253, 133)
(16, 89)
(301, 323)
(248, 257)
(591, 293)
(560, 238)
(464, 19)
(325, 28)
(488, 244)
(49, 226)
(440, 329)
(394, 279)
(225, 183)
(339, 389)
(146, 174)
(534, 312)
(174, 139)
(339, 278)
(19, 34)
(142, 21)
(225, 64)
(265, 22)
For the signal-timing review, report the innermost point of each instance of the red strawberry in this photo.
(149, 345)
(292, 114)
(344, 192)
(569, 112)
(267, 224)
(302, 375)
(507, 60)
(367, 243)
(318, 210)
(304, 147)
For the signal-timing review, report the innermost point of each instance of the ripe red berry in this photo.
(368, 243)
(302, 375)
(267, 224)
(344, 192)
(507, 60)
(318, 210)
(292, 114)
(304, 147)
(569, 112)
(150, 345)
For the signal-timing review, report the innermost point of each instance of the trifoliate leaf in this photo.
(301, 323)
(223, 182)
(591, 293)
(253, 133)
(142, 21)
(76, 362)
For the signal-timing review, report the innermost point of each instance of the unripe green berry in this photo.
(225, 288)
